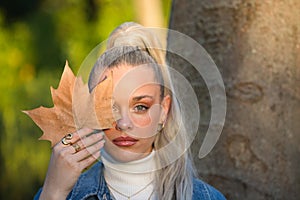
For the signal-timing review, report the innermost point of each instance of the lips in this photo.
(124, 141)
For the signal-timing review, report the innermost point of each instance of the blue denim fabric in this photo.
(92, 184)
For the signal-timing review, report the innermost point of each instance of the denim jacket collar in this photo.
(92, 183)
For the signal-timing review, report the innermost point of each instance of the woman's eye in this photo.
(140, 108)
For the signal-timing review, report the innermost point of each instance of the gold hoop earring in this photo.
(160, 127)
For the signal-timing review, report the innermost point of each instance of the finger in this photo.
(81, 133)
(90, 140)
(84, 153)
(87, 131)
(89, 160)
(65, 155)
(72, 138)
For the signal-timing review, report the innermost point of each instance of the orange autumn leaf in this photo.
(102, 102)
(74, 108)
(93, 109)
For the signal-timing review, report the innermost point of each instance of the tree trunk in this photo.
(256, 46)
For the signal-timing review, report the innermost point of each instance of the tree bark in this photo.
(256, 46)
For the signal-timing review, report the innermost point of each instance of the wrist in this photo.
(52, 195)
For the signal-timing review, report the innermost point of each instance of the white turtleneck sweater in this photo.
(130, 177)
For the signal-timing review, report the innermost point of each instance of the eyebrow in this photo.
(141, 97)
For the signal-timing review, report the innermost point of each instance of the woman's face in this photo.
(139, 107)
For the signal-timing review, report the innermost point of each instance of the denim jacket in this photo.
(91, 185)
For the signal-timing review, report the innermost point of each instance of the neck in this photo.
(143, 165)
(129, 177)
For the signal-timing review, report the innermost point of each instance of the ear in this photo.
(166, 104)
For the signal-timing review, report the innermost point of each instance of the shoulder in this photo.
(90, 183)
(202, 190)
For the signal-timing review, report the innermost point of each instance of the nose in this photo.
(123, 124)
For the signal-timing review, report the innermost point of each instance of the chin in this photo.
(123, 156)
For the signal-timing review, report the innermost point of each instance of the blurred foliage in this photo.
(36, 37)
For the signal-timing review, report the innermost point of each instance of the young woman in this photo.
(145, 154)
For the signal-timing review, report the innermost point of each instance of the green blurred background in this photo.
(36, 37)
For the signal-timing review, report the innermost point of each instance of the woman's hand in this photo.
(69, 158)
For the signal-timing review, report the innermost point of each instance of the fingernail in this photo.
(96, 131)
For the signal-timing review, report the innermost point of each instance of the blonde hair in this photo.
(173, 179)
(133, 34)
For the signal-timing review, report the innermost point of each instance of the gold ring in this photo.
(69, 136)
(76, 147)
(66, 138)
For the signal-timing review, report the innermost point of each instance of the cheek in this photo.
(140, 121)
(145, 126)
(109, 134)
(148, 142)
(148, 119)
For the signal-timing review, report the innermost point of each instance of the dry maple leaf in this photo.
(93, 110)
(74, 108)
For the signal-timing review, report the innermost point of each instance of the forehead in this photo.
(129, 80)
(129, 72)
